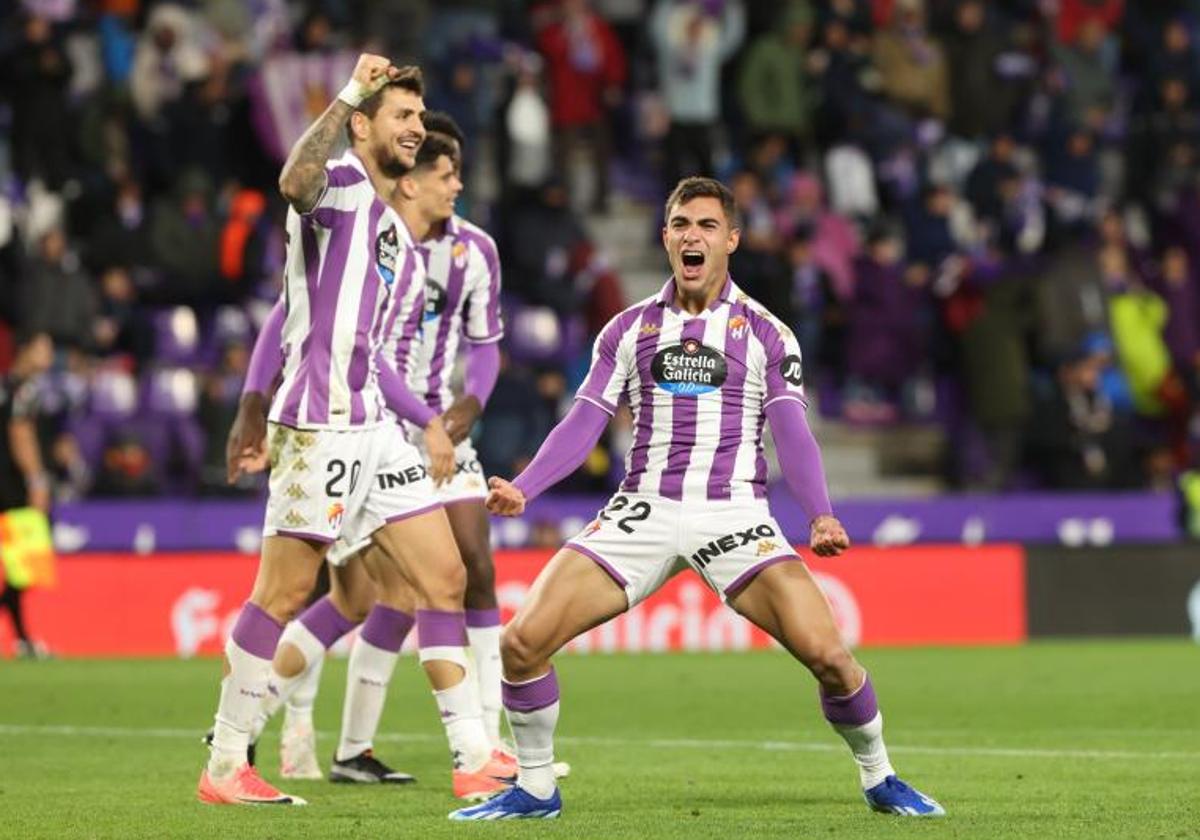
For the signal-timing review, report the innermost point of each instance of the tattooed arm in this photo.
(303, 177)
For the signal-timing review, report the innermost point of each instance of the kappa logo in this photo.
(791, 370)
(458, 255)
(295, 491)
(300, 465)
(766, 547)
(303, 440)
(737, 326)
(335, 514)
(649, 329)
(294, 520)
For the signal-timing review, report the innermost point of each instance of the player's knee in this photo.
(519, 652)
(481, 578)
(445, 590)
(834, 667)
(286, 602)
(355, 605)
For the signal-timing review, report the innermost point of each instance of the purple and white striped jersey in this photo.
(698, 386)
(351, 270)
(462, 302)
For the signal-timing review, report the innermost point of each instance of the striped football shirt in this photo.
(462, 303)
(351, 269)
(698, 387)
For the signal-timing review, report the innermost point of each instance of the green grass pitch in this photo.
(1087, 739)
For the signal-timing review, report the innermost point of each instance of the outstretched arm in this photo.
(563, 451)
(800, 461)
(303, 177)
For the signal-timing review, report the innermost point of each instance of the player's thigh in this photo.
(423, 547)
(351, 588)
(571, 595)
(785, 601)
(469, 522)
(287, 570)
(392, 586)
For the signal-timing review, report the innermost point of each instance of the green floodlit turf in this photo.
(1088, 739)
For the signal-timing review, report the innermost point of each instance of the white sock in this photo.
(870, 753)
(367, 680)
(299, 709)
(242, 693)
(281, 688)
(534, 734)
(485, 648)
(459, 709)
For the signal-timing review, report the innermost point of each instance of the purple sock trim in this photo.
(386, 628)
(483, 618)
(256, 632)
(852, 710)
(325, 622)
(441, 628)
(530, 696)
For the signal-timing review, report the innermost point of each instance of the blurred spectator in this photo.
(219, 395)
(774, 92)
(1080, 440)
(758, 263)
(122, 236)
(36, 76)
(693, 38)
(126, 469)
(185, 237)
(121, 326)
(585, 67)
(58, 297)
(169, 55)
(526, 143)
(983, 73)
(1089, 76)
(911, 64)
(886, 343)
(1138, 317)
(539, 240)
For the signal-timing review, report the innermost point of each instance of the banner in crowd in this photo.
(186, 603)
(1071, 520)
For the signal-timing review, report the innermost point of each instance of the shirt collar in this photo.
(728, 292)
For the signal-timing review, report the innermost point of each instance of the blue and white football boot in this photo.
(513, 804)
(892, 796)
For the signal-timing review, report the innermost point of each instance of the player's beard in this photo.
(390, 165)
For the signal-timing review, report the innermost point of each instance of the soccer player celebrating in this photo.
(464, 290)
(702, 366)
(351, 274)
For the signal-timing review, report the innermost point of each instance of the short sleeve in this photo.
(784, 373)
(483, 323)
(342, 197)
(611, 365)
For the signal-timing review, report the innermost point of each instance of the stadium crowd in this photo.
(980, 214)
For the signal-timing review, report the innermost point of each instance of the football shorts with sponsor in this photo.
(468, 482)
(643, 540)
(335, 485)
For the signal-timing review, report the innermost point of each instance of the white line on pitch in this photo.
(656, 743)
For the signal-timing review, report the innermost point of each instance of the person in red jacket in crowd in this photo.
(585, 66)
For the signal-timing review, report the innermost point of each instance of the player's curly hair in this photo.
(435, 145)
(697, 187)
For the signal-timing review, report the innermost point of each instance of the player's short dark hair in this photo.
(410, 79)
(696, 187)
(443, 123)
(435, 145)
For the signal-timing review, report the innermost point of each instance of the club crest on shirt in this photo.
(387, 249)
(458, 255)
(737, 326)
(688, 369)
(435, 300)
